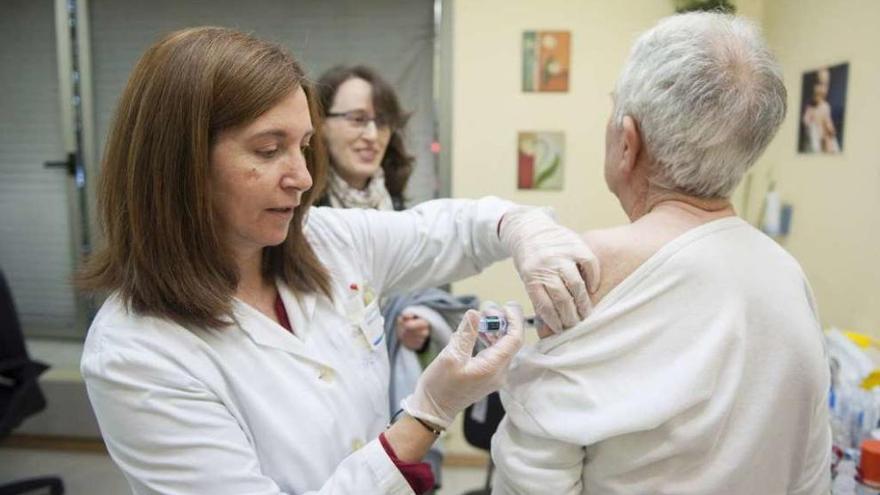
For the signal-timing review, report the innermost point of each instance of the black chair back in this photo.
(481, 420)
(20, 394)
(11, 338)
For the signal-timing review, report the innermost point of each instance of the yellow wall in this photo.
(836, 223)
(489, 108)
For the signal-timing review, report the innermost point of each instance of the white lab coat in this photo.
(252, 409)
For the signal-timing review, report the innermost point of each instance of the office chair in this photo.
(20, 394)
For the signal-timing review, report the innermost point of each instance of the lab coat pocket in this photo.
(375, 358)
(373, 326)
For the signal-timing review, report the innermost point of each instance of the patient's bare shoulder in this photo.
(623, 249)
(620, 251)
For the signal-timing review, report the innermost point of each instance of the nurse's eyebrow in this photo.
(280, 134)
(270, 132)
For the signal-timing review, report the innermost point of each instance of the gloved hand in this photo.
(555, 264)
(455, 379)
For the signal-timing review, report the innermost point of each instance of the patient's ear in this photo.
(632, 145)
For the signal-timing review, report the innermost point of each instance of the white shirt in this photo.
(703, 372)
(252, 409)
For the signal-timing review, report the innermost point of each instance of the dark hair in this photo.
(163, 252)
(397, 163)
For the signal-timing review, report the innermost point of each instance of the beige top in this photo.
(702, 372)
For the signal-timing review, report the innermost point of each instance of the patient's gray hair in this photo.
(708, 97)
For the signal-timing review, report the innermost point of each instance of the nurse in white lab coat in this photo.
(240, 349)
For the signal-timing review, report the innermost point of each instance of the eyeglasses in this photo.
(359, 119)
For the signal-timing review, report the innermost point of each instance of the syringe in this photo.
(497, 325)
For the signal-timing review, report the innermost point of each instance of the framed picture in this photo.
(546, 61)
(540, 160)
(823, 105)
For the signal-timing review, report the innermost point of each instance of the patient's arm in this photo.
(527, 464)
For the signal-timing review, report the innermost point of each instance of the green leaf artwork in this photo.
(540, 160)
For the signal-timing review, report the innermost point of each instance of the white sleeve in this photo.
(433, 243)
(574, 390)
(527, 464)
(815, 475)
(578, 386)
(170, 434)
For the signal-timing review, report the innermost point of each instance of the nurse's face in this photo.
(259, 174)
(355, 141)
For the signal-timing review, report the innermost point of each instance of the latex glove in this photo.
(455, 379)
(557, 267)
(412, 331)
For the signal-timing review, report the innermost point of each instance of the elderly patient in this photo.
(701, 369)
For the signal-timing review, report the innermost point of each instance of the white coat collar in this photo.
(266, 332)
(300, 308)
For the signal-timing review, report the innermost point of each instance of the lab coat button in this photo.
(325, 374)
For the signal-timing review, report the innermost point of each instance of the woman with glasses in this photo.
(369, 168)
(240, 348)
(363, 129)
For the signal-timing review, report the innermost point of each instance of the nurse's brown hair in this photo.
(163, 250)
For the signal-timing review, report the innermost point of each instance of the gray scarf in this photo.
(375, 196)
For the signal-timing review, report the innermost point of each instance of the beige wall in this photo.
(836, 223)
